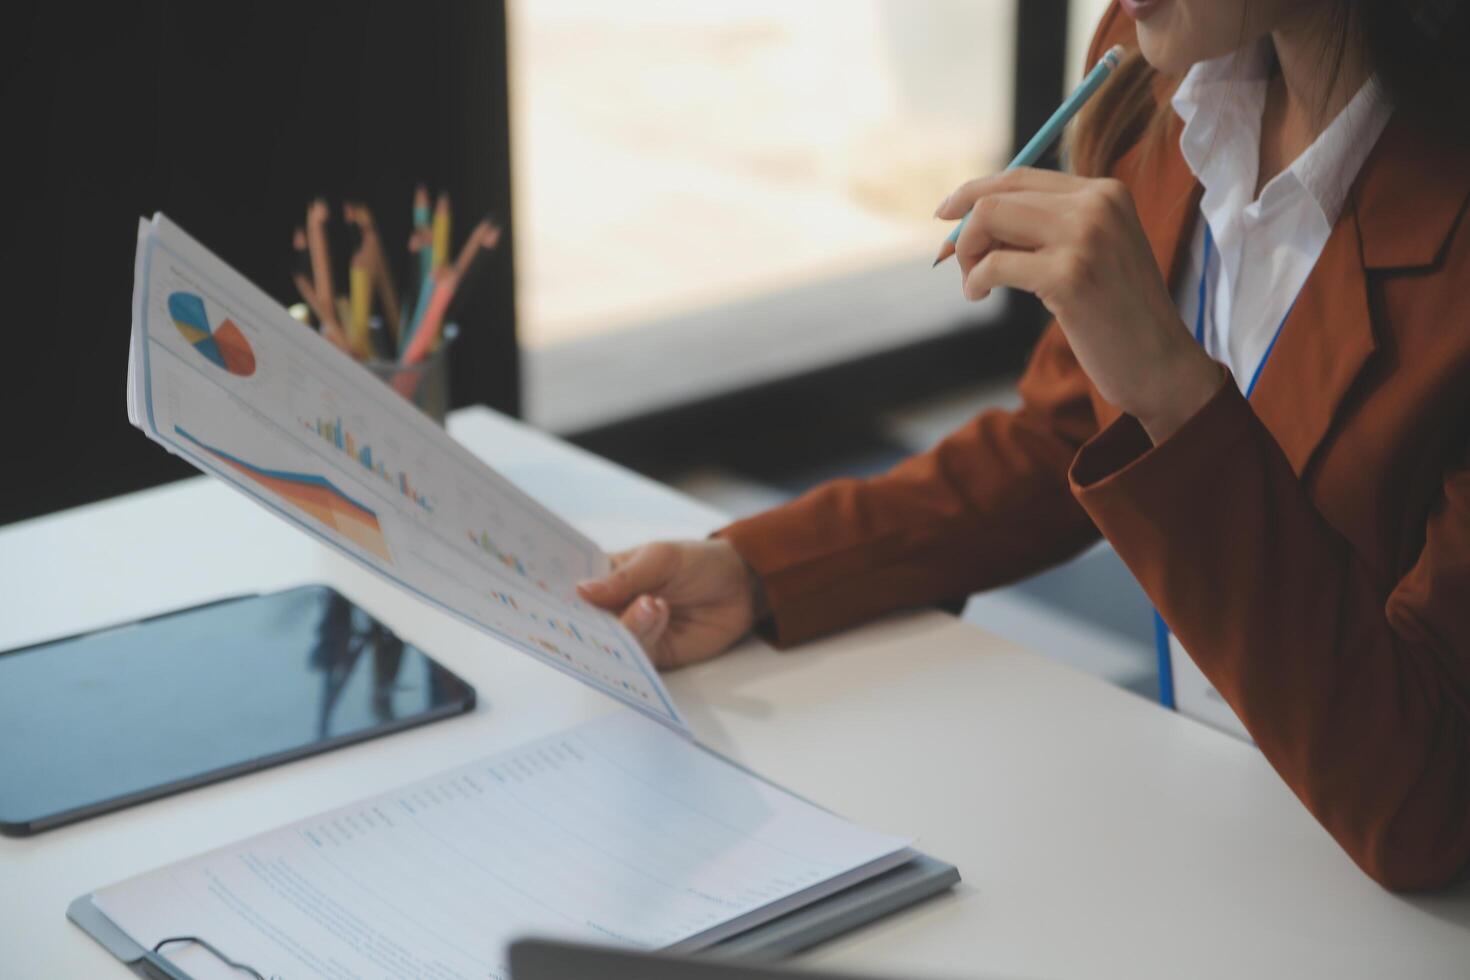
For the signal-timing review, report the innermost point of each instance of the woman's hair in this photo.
(1420, 50)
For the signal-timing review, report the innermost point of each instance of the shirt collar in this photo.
(1220, 102)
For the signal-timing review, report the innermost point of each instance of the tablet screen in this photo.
(103, 720)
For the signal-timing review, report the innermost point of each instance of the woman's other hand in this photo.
(1076, 243)
(685, 601)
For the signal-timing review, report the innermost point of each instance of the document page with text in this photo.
(617, 831)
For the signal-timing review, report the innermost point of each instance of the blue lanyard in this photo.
(1161, 629)
(1204, 298)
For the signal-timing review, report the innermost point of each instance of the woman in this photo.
(1256, 386)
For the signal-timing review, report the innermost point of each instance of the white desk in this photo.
(1099, 835)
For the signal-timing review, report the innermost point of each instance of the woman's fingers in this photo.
(647, 618)
(645, 569)
(1020, 219)
(1010, 268)
(963, 197)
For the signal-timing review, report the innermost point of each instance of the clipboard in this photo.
(145, 963)
(921, 878)
(901, 877)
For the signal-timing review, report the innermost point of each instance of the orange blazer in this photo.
(1310, 547)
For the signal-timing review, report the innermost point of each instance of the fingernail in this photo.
(589, 585)
(939, 210)
(645, 612)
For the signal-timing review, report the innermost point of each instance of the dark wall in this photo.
(228, 118)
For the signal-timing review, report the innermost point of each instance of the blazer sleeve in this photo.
(1354, 688)
(988, 505)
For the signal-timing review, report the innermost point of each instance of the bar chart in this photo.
(335, 434)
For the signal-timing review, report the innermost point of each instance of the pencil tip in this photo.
(936, 262)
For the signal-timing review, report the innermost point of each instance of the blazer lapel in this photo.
(1412, 193)
(1404, 205)
(1166, 196)
(1324, 345)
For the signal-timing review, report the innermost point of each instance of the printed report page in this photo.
(221, 375)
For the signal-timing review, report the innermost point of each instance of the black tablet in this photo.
(103, 720)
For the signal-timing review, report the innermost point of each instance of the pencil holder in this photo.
(425, 384)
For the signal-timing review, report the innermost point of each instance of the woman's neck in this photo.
(1306, 94)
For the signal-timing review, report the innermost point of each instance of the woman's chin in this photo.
(1173, 36)
(1163, 52)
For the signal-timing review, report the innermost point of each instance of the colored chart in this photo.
(336, 435)
(565, 627)
(314, 496)
(224, 346)
(486, 544)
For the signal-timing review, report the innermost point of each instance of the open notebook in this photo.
(623, 830)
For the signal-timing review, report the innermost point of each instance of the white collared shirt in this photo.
(1264, 248)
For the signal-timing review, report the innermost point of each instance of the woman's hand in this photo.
(1077, 244)
(685, 601)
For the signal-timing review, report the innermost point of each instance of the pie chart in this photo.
(224, 346)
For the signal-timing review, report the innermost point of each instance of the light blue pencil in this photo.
(411, 326)
(1049, 133)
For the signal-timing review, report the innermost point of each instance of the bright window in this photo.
(671, 157)
(1082, 17)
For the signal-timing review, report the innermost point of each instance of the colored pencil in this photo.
(300, 259)
(301, 276)
(321, 255)
(418, 246)
(360, 298)
(1050, 132)
(441, 233)
(470, 267)
(427, 334)
(420, 310)
(362, 216)
(421, 228)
